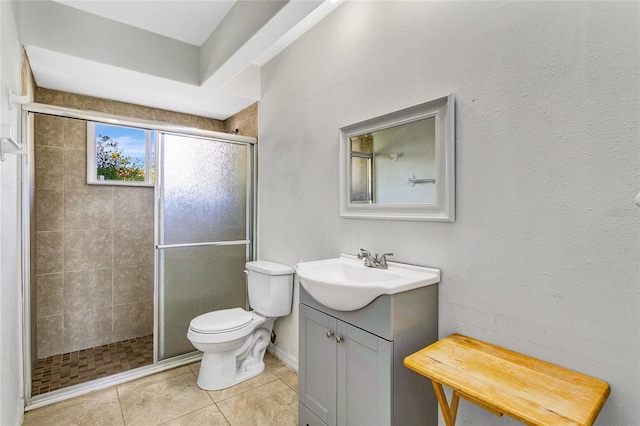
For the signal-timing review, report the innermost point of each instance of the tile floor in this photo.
(59, 371)
(173, 398)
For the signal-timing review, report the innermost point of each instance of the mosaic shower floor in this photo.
(60, 371)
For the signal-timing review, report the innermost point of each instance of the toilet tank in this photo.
(270, 286)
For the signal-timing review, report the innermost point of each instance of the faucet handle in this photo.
(383, 259)
(363, 253)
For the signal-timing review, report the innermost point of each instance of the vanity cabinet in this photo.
(342, 360)
(350, 365)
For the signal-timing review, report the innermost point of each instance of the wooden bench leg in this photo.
(449, 413)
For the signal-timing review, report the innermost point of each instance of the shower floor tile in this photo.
(59, 371)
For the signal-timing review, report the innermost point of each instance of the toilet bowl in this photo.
(234, 340)
(225, 337)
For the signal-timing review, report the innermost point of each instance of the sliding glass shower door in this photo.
(205, 216)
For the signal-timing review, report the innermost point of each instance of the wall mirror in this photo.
(400, 165)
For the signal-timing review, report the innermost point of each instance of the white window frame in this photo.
(92, 167)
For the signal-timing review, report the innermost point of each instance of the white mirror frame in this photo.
(443, 210)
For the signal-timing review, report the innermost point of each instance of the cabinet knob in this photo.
(339, 339)
(329, 333)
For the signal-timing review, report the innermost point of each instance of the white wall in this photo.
(11, 389)
(544, 255)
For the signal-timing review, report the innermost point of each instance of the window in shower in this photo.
(120, 155)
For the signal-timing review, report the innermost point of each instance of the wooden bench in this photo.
(501, 381)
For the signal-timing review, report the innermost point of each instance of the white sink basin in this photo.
(345, 284)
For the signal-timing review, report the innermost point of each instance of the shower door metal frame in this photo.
(250, 226)
(33, 402)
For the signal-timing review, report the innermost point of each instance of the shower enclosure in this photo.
(124, 269)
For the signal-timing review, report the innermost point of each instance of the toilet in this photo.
(234, 340)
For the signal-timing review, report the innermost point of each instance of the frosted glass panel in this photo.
(204, 235)
(204, 185)
(197, 280)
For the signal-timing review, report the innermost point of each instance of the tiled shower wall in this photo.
(93, 244)
(94, 247)
(245, 121)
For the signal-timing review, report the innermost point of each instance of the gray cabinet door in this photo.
(318, 364)
(364, 377)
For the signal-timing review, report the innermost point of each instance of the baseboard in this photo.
(289, 360)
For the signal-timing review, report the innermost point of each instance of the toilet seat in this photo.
(232, 326)
(221, 321)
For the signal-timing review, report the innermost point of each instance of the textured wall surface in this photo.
(543, 257)
(245, 121)
(73, 100)
(94, 247)
(11, 383)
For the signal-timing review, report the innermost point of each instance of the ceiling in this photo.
(188, 21)
(197, 57)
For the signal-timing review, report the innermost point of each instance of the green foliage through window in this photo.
(113, 164)
(120, 155)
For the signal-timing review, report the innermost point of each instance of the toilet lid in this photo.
(221, 321)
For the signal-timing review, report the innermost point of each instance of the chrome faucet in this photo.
(369, 260)
(372, 261)
(382, 263)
